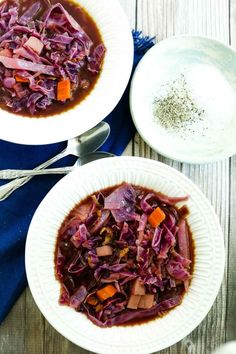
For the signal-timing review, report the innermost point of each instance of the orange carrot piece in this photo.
(21, 79)
(106, 292)
(156, 217)
(92, 301)
(98, 308)
(63, 90)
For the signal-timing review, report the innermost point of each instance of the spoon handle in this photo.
(7, 189)
(10, 174)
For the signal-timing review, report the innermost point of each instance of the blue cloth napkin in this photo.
(17, 210)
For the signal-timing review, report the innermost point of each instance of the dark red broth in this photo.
(86, 79)
(134, 254)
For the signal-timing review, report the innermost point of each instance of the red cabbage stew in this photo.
(124, 254)
(49, 60)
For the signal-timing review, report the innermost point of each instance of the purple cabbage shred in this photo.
(148, 268)
(43, 50)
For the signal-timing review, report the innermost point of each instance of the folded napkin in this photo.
(17, 210)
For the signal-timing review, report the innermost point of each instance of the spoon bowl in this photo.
(92, 157)
(87, 142)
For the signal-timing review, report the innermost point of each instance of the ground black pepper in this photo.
(176, 110)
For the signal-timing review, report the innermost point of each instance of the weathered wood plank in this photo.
(12, 330)
(201, 17)
(56, 343)
(155, 18)
(24, 330)
(130, 10)
(211, 18)
(231, 286)
(34, 326)
(213, 180)
(129, 7)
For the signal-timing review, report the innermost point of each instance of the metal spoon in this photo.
(96, 155)
(87, 142)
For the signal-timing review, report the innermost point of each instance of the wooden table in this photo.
(25, 330)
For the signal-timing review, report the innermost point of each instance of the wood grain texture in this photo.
(12, 330)
(202, 17)
(155, 18)
(231, 286)
(25, 330)
(33, 329)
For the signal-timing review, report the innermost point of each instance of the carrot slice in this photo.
(156, 217)
(92, 301)
(63, 90)
(106, 292)
(21, 79)
(98, 308)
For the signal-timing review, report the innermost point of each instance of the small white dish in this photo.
(138, 339)
(101, 100)
(209, 70)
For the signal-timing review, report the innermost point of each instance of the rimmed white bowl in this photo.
(147, 337)
(117, 37)
(209, 68)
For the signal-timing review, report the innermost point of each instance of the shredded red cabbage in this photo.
(39, 50)
(114, 265)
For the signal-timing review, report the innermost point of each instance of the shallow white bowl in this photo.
(151, 336)
(209, 68)
(103, 98)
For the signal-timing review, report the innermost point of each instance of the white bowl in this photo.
(209, 68)
(147, 337)
(103, 98)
